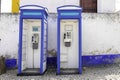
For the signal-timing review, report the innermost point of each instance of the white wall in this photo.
(9, 34)
(104, 6)
(51, 5)
(100, 33)
(6, 6)
(108, 6)
(117, 5)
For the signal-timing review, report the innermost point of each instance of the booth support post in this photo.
(42, 46)
(20, 45)
(58, 46)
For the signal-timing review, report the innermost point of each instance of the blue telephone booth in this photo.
(33, 35)
(69, 42)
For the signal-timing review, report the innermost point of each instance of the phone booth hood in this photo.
(69, 11)
(33, 11)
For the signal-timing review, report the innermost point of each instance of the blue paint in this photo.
(58, 46)
(69, 14)
(91, 60)
(80, 45)
(20, 46)
(52, 62)
(42, 46)
(31, 14)
(94, 60)
(11, 63)
(47, 42)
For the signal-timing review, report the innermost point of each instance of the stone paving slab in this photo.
(106, 72)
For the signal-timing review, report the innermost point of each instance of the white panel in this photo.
(51, 5)
(117, 5)
(64, 58)
(69, 54)
(44, 66)
(37, 59)
(23, 65)
(32, 56)
(45, 50)
(6, 6)
(106, 6)
(24, 45)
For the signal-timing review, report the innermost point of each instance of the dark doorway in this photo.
(89, 5)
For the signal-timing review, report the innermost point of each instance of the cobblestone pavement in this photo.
(106, 72)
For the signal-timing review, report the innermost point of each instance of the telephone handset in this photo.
(35, 40)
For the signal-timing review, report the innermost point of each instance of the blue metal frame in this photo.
(42, 46)
(20, 45)
(43, 16)
(47, 44)
(69, 16)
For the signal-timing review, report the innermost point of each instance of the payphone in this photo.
(68, 35)
(32, 40)
(69, 45)
(35, 38)
(35, 41)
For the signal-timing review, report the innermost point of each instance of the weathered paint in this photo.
(100, 34)
(9, 28)
(93, 60)
(15, 6)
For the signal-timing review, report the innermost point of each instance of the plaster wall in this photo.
(100, 33)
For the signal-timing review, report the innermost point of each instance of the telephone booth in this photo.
(33, 35)
(69, 42)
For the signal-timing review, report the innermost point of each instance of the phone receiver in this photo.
(64, 35)
(32, 38)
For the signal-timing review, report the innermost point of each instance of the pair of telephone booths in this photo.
(33, 40)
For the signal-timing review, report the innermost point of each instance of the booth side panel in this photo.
(80, 45)
(58, 46)
(20, 46)
(45, 47)
(47, 44)
(42, 40)
(24, 45)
